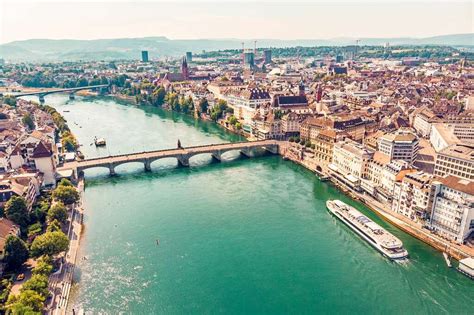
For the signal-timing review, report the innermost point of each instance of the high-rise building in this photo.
(249, 59)
(189, 56)
(268, 56)
(145, 55)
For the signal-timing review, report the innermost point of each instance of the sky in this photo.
(246, 19)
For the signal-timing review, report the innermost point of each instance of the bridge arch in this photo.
(94, 171)
(129, 166)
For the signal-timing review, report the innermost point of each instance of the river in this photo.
(244, 236)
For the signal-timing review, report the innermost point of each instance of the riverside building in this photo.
(452, 214)
(350, 163)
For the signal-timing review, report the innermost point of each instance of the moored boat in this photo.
(99, 142)
(386, 243)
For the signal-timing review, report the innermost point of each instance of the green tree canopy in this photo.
(16, 252)
(49, 243)
(43, 266)
(64, 182)
(203, 105)
(28, 121)
(37, 283)
(66, 194)
(57, 212)
(54, 226)
(16, 210)
(27, 302)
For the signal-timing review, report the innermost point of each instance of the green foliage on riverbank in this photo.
(16, 252)
(219, 110)
(49, 243)
(66, 194)
(34, 292)
(16, 210)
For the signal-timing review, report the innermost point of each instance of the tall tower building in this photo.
(189, 56)
(301, 88)
(184, 69)
(268, 56)
(144, 55)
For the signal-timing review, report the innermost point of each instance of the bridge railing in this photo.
(251, 143)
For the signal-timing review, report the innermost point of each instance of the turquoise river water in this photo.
(246, 236)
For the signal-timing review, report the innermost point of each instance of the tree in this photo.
(58, 212)
(9, 100)
(68, 141)
(43, 266)
(37, 283)
(49, 243)
(233, 120)
(66, 194)
(203, 105)
(16, 252)
(16, 210)
(54, 226)
(27, 302)
(65, 182)
(28, 121)
(159, 95)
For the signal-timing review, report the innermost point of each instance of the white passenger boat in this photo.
(370, 231)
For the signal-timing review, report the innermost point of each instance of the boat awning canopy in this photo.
(351, 178)
(333, 167)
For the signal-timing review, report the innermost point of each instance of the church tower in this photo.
(301, 88)
(184, 69)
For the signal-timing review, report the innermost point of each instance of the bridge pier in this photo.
(41, 98)
(272, 149)
(112, 170)
(247, 152)
(216, 156)
(147, 165)
(183, 160)
(72, 96)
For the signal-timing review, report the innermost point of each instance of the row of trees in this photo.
(40, 243)
(307, 143)
(34, 292)
(68, 140)
(49, 80)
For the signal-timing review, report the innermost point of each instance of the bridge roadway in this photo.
(181, 154)
(46, 92)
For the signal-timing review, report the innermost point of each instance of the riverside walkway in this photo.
(183, 155)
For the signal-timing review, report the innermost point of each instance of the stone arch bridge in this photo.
(181, 154)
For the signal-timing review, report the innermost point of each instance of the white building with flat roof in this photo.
(452, 214)
(400, 145)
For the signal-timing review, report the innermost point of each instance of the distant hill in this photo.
(129, 48)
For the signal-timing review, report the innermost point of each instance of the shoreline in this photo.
(455, 251)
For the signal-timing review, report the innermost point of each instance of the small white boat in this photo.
(99, 142)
